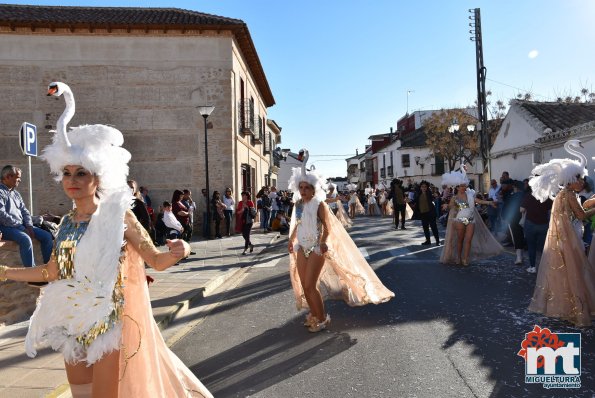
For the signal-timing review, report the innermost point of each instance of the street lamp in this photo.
(454, 129)
(205, 111)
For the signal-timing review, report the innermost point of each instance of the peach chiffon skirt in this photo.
(483, 243)
(565, 285)
(147, 366)
(346, 275)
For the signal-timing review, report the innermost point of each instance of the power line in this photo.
(516, 88)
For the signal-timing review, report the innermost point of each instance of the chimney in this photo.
(356, 152)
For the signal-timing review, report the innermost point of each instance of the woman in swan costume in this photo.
(565, 284)
(467, 237)
(336, 205)
(96, 308)
(324, 261)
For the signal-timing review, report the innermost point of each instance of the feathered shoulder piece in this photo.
(547, 179)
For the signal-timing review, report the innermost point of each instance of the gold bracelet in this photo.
(3, 269)
(45, 274)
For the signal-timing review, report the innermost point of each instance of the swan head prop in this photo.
(547, 179)
(300, 174)
(97, 148)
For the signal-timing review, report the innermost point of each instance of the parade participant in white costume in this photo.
(96, 308)
(324, 261)
(355, 206)
(467, 237)
(565, 285)
(336, 205)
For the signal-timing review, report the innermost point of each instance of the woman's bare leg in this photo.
(79, 373)
(468, 238)
(460, 228)
(310, 284)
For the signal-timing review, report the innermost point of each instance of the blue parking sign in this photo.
(28, 139)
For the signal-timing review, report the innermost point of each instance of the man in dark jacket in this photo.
(397, 194)
(427, 212)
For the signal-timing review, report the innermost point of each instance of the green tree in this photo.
(462, 146)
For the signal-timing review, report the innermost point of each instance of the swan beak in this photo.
(52, 90)
(581, 145)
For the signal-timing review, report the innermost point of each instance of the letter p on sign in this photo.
(28, 139)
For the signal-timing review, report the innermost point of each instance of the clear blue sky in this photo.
(340, 69)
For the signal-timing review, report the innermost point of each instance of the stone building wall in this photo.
(146, 86)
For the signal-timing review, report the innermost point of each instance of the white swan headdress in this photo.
(98, 148)
(299, 174)
(455, 178)
(547, 179)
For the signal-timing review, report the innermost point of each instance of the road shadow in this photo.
(267, 359)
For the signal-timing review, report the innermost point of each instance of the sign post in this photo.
(28, 142)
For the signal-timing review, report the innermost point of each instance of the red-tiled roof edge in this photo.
(237, 26)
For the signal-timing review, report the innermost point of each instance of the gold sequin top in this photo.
(69, 235)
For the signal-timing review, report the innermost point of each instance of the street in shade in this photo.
(449, 332)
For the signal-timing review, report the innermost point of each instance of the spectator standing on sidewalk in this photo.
(245, 214)
(191, 206)
(318, 241)
(139, 208)
(15, 221)
(537, 218)
(217, 208)
(181, 212)
(229, 203)
(494, 212)
(274, 197)
(265, 211)
(96, 309)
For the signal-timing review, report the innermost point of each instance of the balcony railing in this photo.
(257, 138)
(246, 117)
(267, 143)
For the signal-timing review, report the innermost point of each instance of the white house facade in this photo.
(535, 132)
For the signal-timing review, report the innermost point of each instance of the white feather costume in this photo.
(59, 319)
(547, 179)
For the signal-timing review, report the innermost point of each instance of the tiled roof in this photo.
(26, 14)
(53, 17)
(559, 116)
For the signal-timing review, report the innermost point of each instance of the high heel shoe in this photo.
(310, 320)
(251, 248)
(318, 326)
(465, 262)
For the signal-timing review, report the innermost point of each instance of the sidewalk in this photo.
(215, 262)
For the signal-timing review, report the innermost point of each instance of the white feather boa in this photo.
(69, 308)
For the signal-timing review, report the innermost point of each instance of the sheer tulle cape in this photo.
(346, 274)
(147, 366)
(342, 215)
(359, 208)
(483, 243)
(565, 285)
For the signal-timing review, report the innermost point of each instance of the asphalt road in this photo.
(449, 332)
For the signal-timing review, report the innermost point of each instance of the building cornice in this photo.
(21, 25)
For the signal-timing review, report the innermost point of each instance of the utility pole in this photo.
(482, 107)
